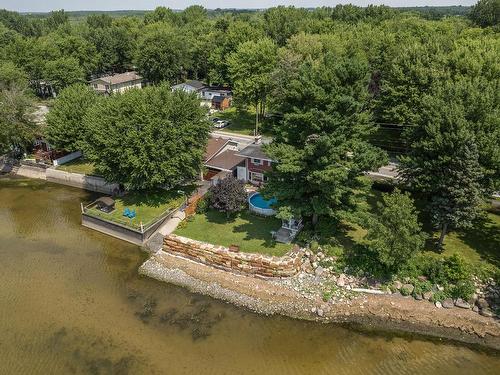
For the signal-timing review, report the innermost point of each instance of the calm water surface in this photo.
(71, 301)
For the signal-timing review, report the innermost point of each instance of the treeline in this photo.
(330, 73)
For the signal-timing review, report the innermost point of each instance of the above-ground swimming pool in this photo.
(260, 205)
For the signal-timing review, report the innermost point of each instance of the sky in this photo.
(48, 5)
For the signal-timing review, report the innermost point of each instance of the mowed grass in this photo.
(250, 232)
(242, 121)
(149, 206)
(81, 166)
(479, 245)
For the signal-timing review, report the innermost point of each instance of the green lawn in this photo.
(250, 232)
(78, 166)
(479, 245)
(147, 205)
(242, 122)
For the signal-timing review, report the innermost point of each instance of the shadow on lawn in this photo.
(154, 198)
(254, 227)
(484, 238)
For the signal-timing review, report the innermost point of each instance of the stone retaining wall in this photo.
(92, 183)
(246, 263)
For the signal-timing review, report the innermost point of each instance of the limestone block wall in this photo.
(246, 263)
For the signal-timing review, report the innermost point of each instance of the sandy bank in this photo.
(387, 312)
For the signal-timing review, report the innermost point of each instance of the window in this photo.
(256, 177)
(95, 85)
(257, 162)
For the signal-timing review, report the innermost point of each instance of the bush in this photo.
(314, 246)
(449, 270)
(421, 287)
(440, 296)
(404, 291)
(228, 195)
(463, 289)
(202, 205)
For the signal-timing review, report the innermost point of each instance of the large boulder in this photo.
(482, 303)
(448, 303)
(407, 289)
(428, 295)
(462, 304)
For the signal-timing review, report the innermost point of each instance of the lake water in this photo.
(71, 301)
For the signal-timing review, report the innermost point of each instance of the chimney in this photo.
(258, 140)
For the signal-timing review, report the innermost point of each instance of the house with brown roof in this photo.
(256, 164)
(117, 83)
(221, 158)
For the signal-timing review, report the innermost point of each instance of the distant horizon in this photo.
(213, 9)
(36, 6)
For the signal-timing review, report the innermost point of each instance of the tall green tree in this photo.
(486, 13)
(16, 128)
(321, 147)
(283, 22)
(444, 163)
(162, 54)
(147, 138)
(251, 68)
(394, 233)
(63, 72)
(65, 128)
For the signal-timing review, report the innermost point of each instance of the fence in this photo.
(136, 235)
(67, 158)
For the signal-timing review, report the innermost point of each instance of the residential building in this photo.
(190, 86)
(215, 97)
(221, 103)
(257, 163)
(221, 158)
(117, 83)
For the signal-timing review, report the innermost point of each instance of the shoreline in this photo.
(370, 311)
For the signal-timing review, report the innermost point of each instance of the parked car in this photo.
(221, 124)
(215, 119)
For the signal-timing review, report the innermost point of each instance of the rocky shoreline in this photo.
(298, 297)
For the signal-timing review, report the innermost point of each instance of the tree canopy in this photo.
(147, 138)
(394, 233)
(65, 127)
(321, 147)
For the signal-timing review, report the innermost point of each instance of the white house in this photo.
(117, 83)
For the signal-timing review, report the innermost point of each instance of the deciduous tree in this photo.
(147, 138)
(228, 195)
(251, 68)
(65, 127)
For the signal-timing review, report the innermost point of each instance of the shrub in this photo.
(202, 205)
(404, 291)
(421, 287)
(463, 289)
(228, 195)
(440, 296)
(314, 245)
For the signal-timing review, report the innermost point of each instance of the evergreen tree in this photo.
(444, 164)
(321, 148)
(394, 233)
